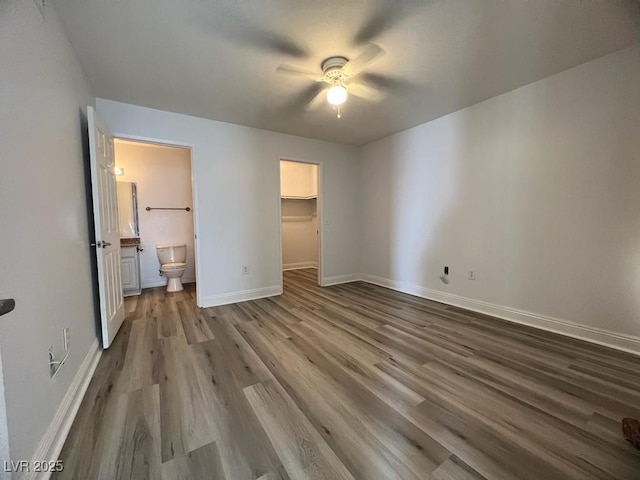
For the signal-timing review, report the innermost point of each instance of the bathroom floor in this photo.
(349, 381)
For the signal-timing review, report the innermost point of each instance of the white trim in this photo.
(619, 341)
(352, 277)
(242, 296)
(299, 265)
(51, 443)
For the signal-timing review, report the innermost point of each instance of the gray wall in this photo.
(536, 190)
(45, 255)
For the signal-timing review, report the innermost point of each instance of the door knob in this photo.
(101, 244)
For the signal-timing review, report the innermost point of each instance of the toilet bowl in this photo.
(172, 258)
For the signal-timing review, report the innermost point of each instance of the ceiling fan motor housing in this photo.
(332, 69)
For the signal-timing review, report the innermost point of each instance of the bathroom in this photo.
(155, 205)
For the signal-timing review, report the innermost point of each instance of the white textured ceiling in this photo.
(217, 58)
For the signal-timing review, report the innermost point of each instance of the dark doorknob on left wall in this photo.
(7, 305)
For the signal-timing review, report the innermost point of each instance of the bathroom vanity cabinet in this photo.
(130, 270)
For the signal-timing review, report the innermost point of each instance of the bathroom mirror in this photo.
(128, 209)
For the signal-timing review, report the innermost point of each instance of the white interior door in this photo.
(107, 234)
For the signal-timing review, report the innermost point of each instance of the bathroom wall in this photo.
(163, 177)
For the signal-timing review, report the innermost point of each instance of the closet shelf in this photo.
(292, 197)
(297, 218)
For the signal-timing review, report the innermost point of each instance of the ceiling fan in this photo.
(338, 73)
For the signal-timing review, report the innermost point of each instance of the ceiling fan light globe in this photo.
(337, 95)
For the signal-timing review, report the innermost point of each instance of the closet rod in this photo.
(187, 209)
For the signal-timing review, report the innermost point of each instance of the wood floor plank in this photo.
(314, 326)
(140, 368)
(245, 451)
(201, 463)
(560, 404)
(185, 424)
(556, 440)
(193, 323)
(378, 449)
(302, 450)
(370, 337)
(169, 324)
(133, 449)
(281, 474)
(349, 362)
(455, 469)
(235, 354)
(564, 455)
(352, 380)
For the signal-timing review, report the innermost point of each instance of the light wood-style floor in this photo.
(350, 381)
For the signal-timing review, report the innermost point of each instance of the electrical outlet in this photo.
(446, 270)
(245, 269)
(67, 338)
(472, 274)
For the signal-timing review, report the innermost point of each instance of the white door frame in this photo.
(320, 212)
(194, 195)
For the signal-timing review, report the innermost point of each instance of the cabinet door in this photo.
(128, 273)
(130, 270)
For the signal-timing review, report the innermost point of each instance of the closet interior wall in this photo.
(299, 192)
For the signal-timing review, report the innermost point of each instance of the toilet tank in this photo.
(172, 253)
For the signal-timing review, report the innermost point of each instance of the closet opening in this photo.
(300, 205)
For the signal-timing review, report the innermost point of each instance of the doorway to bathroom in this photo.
(299, 212)
(156, 207)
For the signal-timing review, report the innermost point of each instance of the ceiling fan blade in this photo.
(289, 70)
(299, 100)
(368, 55)
(364, 91)
(318, 100)
(386, 82)
(379, 22)
(386, 18)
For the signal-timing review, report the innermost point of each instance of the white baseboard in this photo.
(352, 277)
(619, 341)
(51, 443)
(242, 296)
(299, 265)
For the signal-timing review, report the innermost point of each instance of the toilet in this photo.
(172, 258)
